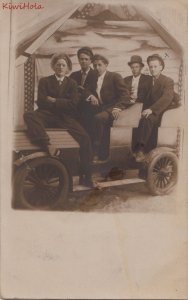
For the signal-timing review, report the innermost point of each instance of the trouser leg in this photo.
(104, 148)
(82, 137)
(145, 130)
(101, 124)
(86, 118)
(36, 122)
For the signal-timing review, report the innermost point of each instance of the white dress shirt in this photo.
(59, 79)
(134, 87)
(99, 84)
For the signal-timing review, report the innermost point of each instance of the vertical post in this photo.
(29, 81)
(180, 82)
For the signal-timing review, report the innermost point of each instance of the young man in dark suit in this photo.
(86, 79)
(160, 98)
(57, 104)
(111, 97)
(138, 84)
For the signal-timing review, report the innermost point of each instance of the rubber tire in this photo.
(151, 186)
(21, 173)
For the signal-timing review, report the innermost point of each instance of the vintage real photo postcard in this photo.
(94, 143)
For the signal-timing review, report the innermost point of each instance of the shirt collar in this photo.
(101, 77)
(59, 79)
(85, 72)
(157, 77)
(137, 77)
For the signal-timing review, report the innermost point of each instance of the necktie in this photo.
(84, 75)
(154, 80)
(60, 82)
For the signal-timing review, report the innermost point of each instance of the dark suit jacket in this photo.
(114, 92)
(161, 95)
(89, 86)
(66, 95)
(144, 87)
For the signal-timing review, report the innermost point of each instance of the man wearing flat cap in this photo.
(86, 79)
(138, 84)
(160, 99)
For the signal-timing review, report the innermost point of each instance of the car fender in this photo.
(23, 159)
(20, 161)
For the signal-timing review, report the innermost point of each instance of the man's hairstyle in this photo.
(156, 57)
(85, 50)
(61, 55)
(102, 58)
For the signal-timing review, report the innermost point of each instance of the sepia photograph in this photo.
(94, 149)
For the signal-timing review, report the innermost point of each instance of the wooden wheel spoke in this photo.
(155, 169)
(32, 178)
(44, 185)
(165, 161)
(166, 180)
(169, 163)
(53, 180)
(160, 182)
(162, 172)
(157, 181)
(28, 183)
(163, 183)
(162, 162)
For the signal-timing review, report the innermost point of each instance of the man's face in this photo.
(60, 68)
(84, 61)
(155, 67)
(100, 67)
(136, 69)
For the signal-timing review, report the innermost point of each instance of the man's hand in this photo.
(94, 101)
(146, 113)
(132, 100)
(51, 99)
(116, 113)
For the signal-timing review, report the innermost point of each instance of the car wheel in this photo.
(162, 173)
(41, 183)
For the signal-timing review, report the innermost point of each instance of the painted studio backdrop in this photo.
(116, 31)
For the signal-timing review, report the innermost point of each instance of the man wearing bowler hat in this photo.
(138, 84)
(160, 98)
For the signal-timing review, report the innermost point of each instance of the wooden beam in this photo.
(161, 30)
(47, 33)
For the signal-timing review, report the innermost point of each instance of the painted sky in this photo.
(117, 40)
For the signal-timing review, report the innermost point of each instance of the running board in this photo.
(105, 184)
